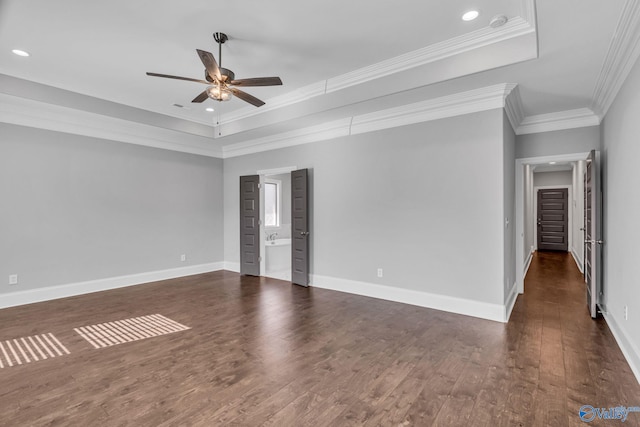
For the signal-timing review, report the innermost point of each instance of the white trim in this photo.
(276, 171)
(515, 27)
(472, 101)
(577, 259)
(41, 115)
(510, 302)
(30, 296)
(232, 266)
(514, 109)
(629, 350)
(569, 213)
(527, 263)
(623, 53)
(467, 307)
(573, 157)
(325, 131)
(569, 119)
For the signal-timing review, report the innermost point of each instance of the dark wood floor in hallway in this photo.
(263, 352)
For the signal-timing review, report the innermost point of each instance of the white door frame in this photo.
(520, 264)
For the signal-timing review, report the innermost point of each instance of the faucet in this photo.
(271, 236)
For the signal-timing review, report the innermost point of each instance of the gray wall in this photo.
(77, 208)
(569, 141)
(424, 202)
(621, 179)
(509, 189)
(544, 179)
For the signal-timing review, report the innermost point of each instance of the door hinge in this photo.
(259, 259)
(259, 222)
(259, 185)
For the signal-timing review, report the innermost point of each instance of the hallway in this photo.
(564, 358)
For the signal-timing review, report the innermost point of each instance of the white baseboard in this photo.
(578, 261)
(511, 301)
(30, 296)
(527, 264)
(629, 350)
(483, 310)
(232, 266)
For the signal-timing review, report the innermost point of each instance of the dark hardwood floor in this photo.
(263, 352)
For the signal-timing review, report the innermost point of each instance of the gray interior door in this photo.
(593, 232)
(250, 225)
(553, 219)
(299, 228)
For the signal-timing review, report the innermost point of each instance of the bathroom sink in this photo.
(278, 242)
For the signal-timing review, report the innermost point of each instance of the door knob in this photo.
(304, 233)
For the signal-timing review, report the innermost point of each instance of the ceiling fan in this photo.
(222, 81)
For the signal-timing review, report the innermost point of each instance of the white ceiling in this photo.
(336, 58)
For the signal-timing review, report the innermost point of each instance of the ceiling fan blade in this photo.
(189, 79)
(246, 97)
(201, 98)
(257, 81)
(210, 64)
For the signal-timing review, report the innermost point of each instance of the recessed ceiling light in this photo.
(209, 109)
(471, 15)
(20, 52)
(552, 163)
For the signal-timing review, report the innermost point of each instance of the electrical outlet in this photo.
(13, 279)
(379, 272)
(183, 257)
(626, 313)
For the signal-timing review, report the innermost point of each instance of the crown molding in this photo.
(487, 98)
(514, 109)
(474, 40)
(515, 27)
(623, 53)
(483, 99)
(570, 119)
(41, 115)
(325, 131)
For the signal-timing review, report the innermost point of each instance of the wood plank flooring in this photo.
(263, 352)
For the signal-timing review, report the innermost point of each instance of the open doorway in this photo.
(564, 172)
(273, 224)
(276, 210)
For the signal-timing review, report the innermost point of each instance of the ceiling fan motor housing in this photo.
(227, 75)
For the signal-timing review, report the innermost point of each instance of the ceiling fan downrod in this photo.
(220, 38)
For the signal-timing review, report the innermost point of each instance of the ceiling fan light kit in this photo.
(222, 81)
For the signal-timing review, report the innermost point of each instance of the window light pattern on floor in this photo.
(128, 330)
(20, 351)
